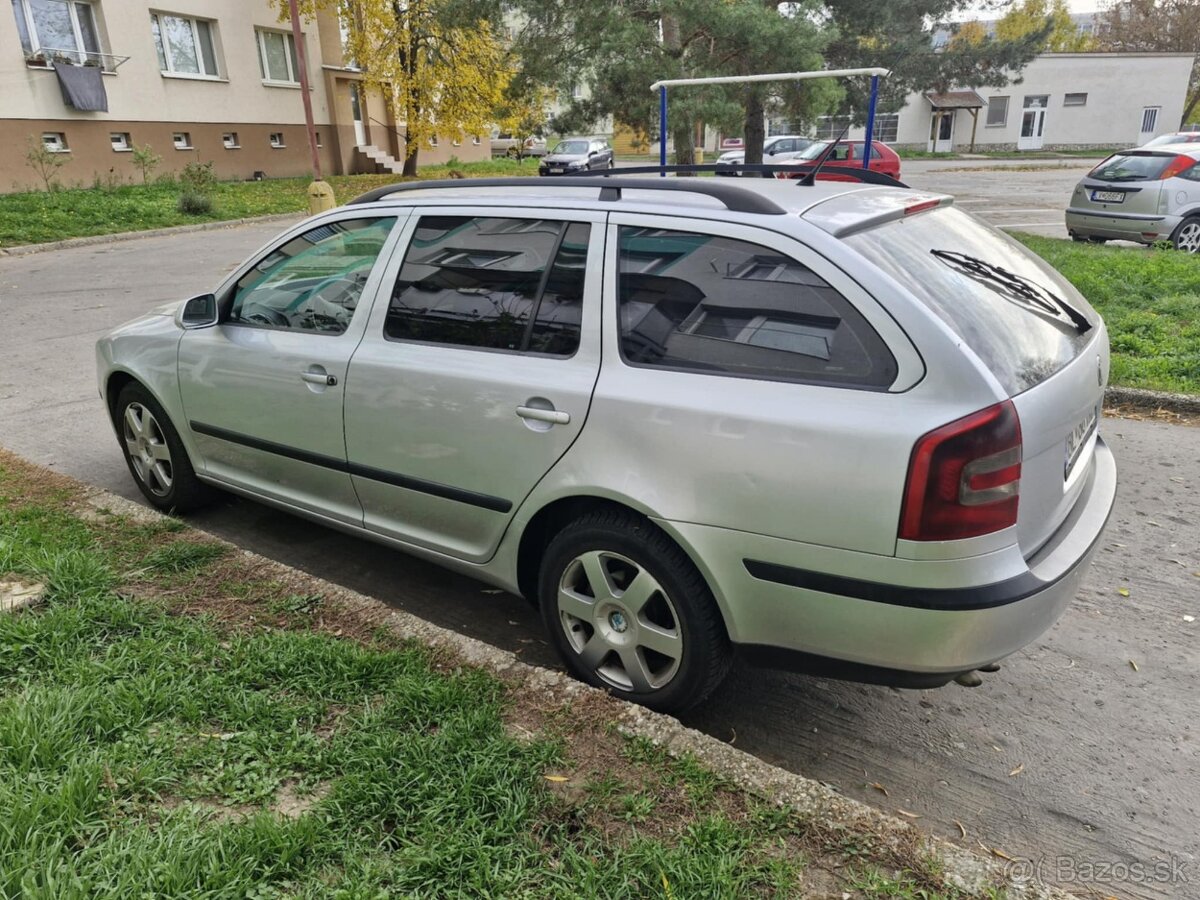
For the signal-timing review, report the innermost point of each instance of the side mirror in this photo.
(199, 312)
(771, 152)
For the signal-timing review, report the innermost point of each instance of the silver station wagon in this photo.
(844, 428)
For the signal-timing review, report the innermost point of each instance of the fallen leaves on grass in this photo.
(1124, 592)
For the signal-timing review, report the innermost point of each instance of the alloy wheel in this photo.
(1188, 239)
(619, 621)
(148, 450)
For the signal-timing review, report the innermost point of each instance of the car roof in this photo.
(859, 203)
(1190, 148)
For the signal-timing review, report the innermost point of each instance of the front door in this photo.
(1033, 122)
(360, 129)
(476, 372)
(941, 131)
(1149, 124)
(263, 390)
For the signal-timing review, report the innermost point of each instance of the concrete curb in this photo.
(1187, 404)
(808, 798)
(91, 240)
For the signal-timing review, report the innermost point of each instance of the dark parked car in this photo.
(575, 155)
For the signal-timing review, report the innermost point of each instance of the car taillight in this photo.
(964, 478)
(1176, 166)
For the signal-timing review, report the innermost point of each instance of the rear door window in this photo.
(710, 304)
(492, 283)
(1021, 341)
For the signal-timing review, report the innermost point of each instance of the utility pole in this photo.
(320, 194)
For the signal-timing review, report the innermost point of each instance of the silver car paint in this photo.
(1159, 208)
(769, 482)
(451, 417)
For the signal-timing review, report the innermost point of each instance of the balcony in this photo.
(46, 57)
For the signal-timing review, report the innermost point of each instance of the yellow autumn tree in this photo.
(969, 34)
(443, 76)
(1033, 15)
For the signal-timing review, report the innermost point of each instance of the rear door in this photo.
(476, 372)
(263, 390)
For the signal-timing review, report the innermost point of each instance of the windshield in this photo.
(1172, 139)
(1021, 340)
(813, 150)
(1132, 166)
(572, 148)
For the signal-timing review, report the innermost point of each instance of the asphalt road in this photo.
(1068, 756)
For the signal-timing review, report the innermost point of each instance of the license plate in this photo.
(1108, 196)
(1078, 439)
(556, 171)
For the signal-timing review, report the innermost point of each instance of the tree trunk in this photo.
(755, 131)
(1193, 98)
(685, 151)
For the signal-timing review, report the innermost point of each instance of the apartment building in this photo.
(1063, 101)
(206, 80)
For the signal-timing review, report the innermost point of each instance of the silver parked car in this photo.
(1146, 195)
(574, 155)
(845, 428)
(776, 148)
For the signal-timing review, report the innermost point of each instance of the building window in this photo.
(120, 141)
(433, 140)
(182, 140)
(277, 140)
(829, 127)
(55, 142)
(1149, 119)
(1075, 100)
(50, 28)
(887, 126)
(997, 111)
(475, 141)
(230, 140)
(317, 135)
(277, 57)
(185, 46)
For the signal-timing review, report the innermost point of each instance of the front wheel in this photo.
(1187, 235)
(627, 611)
(155, 454)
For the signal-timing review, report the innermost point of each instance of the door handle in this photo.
(553, 416)
(319, 378)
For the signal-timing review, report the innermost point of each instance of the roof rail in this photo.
(866, 176)
(736, 199)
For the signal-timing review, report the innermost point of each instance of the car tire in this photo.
(628, 612)
(154, 453)
(1186, 236)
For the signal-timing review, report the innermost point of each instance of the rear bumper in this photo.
(1145, 229)
(896, 631)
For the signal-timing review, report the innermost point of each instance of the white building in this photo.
(1063, 101)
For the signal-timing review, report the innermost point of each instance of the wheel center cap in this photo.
(618, 622)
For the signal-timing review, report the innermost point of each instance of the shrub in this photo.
(198, 178)
(44, 161)
(191, 204)
(145, 159)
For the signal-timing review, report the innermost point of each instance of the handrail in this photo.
(735, 199)
(73, 55)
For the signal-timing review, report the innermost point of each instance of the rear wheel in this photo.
(155, 454)
(1187, 235)
(628, 611)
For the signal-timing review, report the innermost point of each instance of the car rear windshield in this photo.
(1019, 341)
(1132, 167)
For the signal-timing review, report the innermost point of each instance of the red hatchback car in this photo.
(846, 154)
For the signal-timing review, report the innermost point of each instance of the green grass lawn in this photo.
(175, 724)
(1150, 300)
(38, 217)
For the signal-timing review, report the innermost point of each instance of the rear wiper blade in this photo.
(1027, 293)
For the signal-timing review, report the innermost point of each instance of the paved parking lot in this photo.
(1068, 753)
(1015, 195)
